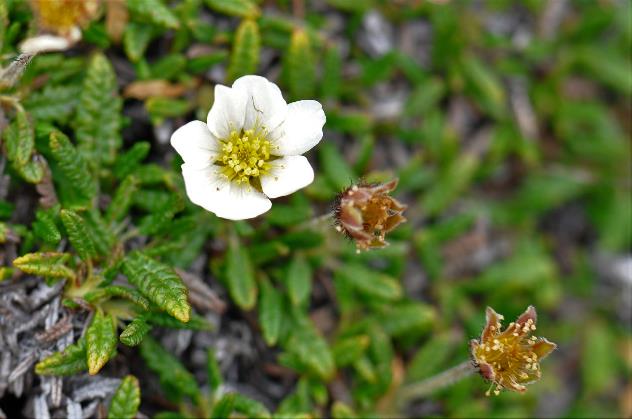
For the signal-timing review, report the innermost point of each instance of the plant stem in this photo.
(428, 386)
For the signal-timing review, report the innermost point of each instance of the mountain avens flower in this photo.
(510, 359)
(366, 213)
(249, 149)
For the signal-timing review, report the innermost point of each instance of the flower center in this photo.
(245, 156)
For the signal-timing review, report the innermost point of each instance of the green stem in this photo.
(444, 379)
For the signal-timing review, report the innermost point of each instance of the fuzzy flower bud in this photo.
(510, 359)
(366, 213)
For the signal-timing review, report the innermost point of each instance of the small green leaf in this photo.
(153, 11)
(74, 167)
(270, 312)
(134, 332)
(118, 291)
(224, 406)
(244, 58)
(213, 371)
(126, 400)
(98, 119)
(370, 282)
(68, 362)
(122, 199)
(349, 350)
(128, 161)
(407, 319)
(249, 407)
(335, 167)
(50, 264)
(159, 283)
(299, 280)
(341, 411)
(19, 139)
(300, 66)
(45, 228)
(100, 341)
(78, 234)
(332, 73)
(311, 349)
(240, 275)
(240, 8)
(174, 378)
(53, 103)
(136, 39)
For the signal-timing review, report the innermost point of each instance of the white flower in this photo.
(249, 150)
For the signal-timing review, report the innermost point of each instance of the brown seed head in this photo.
(511, 358)
(366, 213)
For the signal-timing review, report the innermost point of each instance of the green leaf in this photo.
(174, 378)
(53, 103)
(158, 318)
(299, 280)
(407, 319)
(432, 357)
(224, 406)
(240, 275)
(78, 234)
(332, 73)
(126, 400)
(270, 312)
(335, 167)
(307, 344)
(159, 283)
(244, 58)
(128, 161)
(45, 228)
(214, 373)
(50, 264)
(484, 85)
(340, 410)
(153, 11)
(98, 119)
(240, 8)
(136, 39)
(134, 332)
(122, 199)
(68, 362)
(74, 167)
(19, 139)
(118, 291)
(100, 341)
(348, 350)
(369, 282)
(249, 407)
(300, 66)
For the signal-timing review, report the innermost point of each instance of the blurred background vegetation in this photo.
(506, 122)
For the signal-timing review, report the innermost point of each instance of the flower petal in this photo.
(44, 43)
(492, 325)
(288, 175)
(529, 314)
(265, 106)
(302, 128)
(542, 348)
(207, 188)
(227, 112)
(195, 143)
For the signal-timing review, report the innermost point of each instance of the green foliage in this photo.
(126, 400)
(134, 332)
(53, 103)
(368, 282)
(299, 281)
(70, 361)
(153, 11)
(98, 119)
(270, 312)
(78, 234)
(159, 283)
(240, 275)
(19, 143)
(300, 66)
(100, 341)
(244, 58)
(241, 8)
(47, 264)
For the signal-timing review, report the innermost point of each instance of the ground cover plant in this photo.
(377, 186)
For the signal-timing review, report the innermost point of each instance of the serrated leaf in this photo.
(213, 371)
(249, 407)
(310, 347)
(73, 166)
(33, 170)
(50, 264)
(78, 234)
(122, 199)
(45, 228)
(100, 341)
(103, 238)
(53, 103)
(136, 39)
(153, 11)
(126, 400)
(300, 66)
(270, 312)
(134, 332)
(332, 73)
(224, 406)
(240, 275)
(174, 378)
(118, 291)
(68, 362)
(159, 283)
(369, 282)
(241, 8)
(98, 119)
(407, 319)
(19, 139)
(299, 280)
(244, 58)
(128, 161)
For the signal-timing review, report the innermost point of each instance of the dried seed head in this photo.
(366, 213)
(511, 358)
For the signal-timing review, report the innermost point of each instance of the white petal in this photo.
(228, 111)
(44, 43)
(288, 174)
(208, 188)
(265, 104)
(302, 128)
(195, 143)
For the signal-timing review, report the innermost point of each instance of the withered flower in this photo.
(366, 213)
(510, 359)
